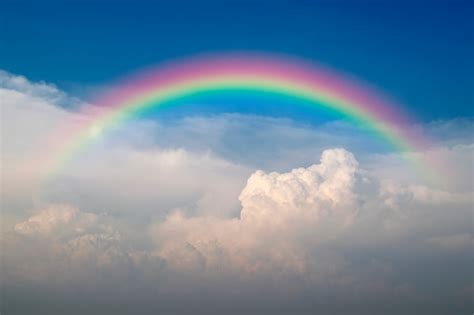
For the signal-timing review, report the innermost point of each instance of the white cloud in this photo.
(287, 215)
(36, 90)
(50, 218)
(147, 172)
(62, 243)
(320, 190)
(304, 224)
(277, 210)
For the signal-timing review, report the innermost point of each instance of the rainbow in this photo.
(286, 77)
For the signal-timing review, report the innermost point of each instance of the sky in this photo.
(419, 52)
(238, 203)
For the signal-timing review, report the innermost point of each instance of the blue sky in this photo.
(418, 52)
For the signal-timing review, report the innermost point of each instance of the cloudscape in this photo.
(239, 158)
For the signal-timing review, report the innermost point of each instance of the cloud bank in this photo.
(146, 224)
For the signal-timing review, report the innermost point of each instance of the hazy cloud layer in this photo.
(197, 216)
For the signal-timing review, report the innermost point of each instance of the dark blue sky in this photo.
(420, 53)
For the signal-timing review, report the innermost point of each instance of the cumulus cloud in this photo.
(50, 218)
(278, 211)
(274, 206)
(302, 229)
(319, 203)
